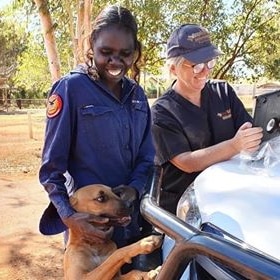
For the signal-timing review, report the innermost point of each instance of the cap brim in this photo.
(50, 222)
(203, 54)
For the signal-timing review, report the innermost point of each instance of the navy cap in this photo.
(192, 42)
(50, 222)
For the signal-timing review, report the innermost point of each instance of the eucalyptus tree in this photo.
(246, 31)
(12, 37)
(12, 42)
(49, 38)
(250, 39)
(70, 22)
(33, 76)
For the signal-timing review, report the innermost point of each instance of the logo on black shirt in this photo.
(225, 115)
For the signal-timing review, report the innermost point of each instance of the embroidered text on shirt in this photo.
(225, 115)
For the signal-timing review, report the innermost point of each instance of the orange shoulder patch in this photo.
(54, 105)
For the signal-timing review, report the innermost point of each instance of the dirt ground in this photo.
(25, 254)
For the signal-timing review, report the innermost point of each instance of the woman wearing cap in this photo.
(197, 122)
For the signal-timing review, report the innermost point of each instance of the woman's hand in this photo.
(89, 226)
(247, 138)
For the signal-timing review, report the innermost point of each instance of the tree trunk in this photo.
(87, 24)
(49, 38)
(71, 23)
(83, 28)
(79, 30)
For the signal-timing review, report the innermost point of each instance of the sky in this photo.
(4, 3)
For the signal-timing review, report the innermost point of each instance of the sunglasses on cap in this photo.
(198, 68)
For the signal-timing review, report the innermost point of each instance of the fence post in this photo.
(30, 126)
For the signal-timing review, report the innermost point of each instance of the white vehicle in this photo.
(227, 226)
(245, 205)
(237, 205)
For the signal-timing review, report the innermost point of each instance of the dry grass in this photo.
(248, 101)
(21, 140)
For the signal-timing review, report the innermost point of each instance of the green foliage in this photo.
(247, 32)
(32, 72)
(248, 39)
(12, 39)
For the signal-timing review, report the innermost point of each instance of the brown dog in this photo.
(84, 260)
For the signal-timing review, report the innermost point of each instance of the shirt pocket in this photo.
(140, 107)
(100, 126)
(140, 117)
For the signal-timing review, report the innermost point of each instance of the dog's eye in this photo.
(101, 198)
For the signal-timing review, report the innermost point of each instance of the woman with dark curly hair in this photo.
(98, 129)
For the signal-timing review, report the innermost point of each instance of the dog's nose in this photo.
(128, 207)
(128, 204)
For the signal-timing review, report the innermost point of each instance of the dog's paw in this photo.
(142, 275)
(149, 244)
(152, 274)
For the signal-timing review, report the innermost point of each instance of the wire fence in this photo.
(21, 139)
(12, 105)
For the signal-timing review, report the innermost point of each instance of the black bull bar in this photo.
(191, 242)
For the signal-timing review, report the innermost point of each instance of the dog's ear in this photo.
(73, 200)
(126, 192)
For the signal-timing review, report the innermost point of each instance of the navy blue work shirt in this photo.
(95, 138)
(180, 126)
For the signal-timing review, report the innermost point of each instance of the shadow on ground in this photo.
(25, 254)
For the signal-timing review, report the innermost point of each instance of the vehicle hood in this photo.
(244, 204)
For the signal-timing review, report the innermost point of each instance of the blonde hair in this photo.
(176, 61)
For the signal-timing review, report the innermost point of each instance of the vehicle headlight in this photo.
(187, 208)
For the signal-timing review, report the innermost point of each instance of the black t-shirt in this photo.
(180, 126)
